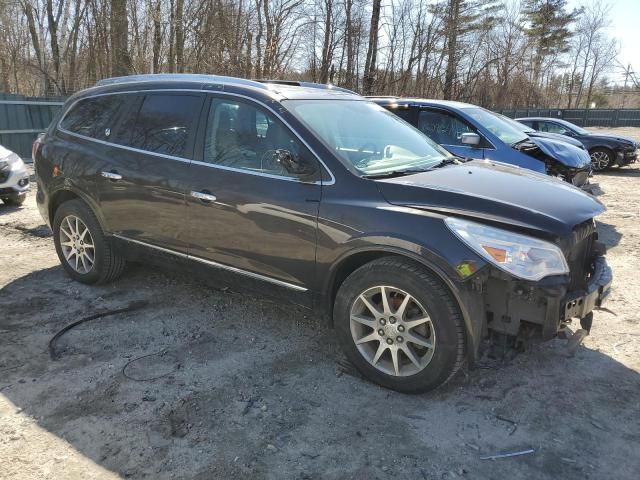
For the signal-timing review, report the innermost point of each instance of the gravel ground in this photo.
(207, 383)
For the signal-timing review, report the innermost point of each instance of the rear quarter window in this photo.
(93, 117)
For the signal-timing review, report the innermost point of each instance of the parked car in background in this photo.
(326, 200)
(530, 132)
(14, 178)
(473, 132)
(605, 150)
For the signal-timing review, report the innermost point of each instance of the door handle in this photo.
(111, 175)
(204, 196)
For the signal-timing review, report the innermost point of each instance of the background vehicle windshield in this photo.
(572, 127)
(517, 125)
(496, 125)
(367, 136)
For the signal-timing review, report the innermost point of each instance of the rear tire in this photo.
(601, 159)
(85, 252)
(398, 324)
(15, 200)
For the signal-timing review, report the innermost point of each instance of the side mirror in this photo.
(472, 139)
(293, 164)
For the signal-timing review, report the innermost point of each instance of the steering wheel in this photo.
(362, 161)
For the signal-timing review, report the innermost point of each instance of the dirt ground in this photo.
(206, 383)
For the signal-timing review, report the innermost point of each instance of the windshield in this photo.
(515, 124)
(496, 125)
(367, 136)
(575, 128)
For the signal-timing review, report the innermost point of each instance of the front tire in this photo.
(400, 326)
(601, 159)
(85, 252)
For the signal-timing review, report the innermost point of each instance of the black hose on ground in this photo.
(135, 305)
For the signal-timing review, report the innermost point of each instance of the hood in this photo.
(569, 155)
(616, 138)
(555, 136)
(495, 192)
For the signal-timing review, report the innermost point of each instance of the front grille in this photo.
(580, 255)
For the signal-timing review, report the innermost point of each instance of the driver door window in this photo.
(442, 127)
(552, 128)
(242, 136)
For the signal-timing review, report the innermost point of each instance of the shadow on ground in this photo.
(608, 234)
(630, 171)
(205, 383)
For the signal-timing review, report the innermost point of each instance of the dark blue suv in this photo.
(473, 132)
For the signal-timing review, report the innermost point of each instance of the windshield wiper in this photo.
(520, 142)
(396, 173)
(446, 161)
(413, 171)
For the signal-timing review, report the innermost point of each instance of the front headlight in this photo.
(520, 255)
(14, 161)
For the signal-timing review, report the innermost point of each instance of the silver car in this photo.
(14, 178)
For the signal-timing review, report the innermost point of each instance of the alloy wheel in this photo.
(392, 331)
(77, 244)
(600, 160)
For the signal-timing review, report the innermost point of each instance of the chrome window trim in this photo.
(332, 180)
(211, 263)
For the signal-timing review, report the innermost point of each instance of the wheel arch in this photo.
(70, 193)
(354, 260)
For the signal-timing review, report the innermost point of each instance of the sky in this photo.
(625, 27)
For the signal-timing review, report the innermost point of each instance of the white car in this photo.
(14, 178)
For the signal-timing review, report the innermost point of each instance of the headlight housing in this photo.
(14, 161)
(520, 255)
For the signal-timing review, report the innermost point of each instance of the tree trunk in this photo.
(179, 29)
(120, 60)
(452, 40)
(157, 37)
(372, 51)
(326, 43)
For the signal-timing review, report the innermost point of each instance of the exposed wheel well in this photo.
(355, 261)
(600, 147)
(58, 199)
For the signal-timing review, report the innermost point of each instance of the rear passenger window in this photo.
(93, 117)
(165, 123)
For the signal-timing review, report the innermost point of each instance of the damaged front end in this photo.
(562, 160)
(517, 310)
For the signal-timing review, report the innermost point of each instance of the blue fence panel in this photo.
(22, 118)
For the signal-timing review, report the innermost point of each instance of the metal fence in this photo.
(22, 118)
(584, 117)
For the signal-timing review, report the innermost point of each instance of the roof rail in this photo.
(296, 83)
(178, 77)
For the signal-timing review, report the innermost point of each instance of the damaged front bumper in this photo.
(514, 307)
(626, 157)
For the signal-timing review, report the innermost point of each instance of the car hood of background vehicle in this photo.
(568, 155)
(495, 192)
(555, 136)
(617, 138)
